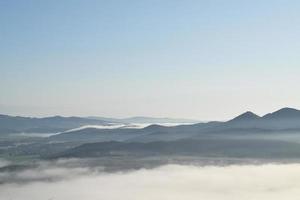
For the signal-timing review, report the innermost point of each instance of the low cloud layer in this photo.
(255, 182)
(129, 125)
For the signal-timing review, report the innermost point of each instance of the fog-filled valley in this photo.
(249, 156)
(66, 180)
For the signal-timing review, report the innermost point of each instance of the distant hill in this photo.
(274, 135)
(146, 120)
(17, 124)
(225, 148)
(284, 120)
(284, 113)
(245, 136)
(247, 116)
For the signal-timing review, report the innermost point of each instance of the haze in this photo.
(194, 59)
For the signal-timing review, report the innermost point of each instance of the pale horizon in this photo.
(124, 117)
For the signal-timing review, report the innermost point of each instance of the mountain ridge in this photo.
(17, 124)
(283, 112)
(246, 116)
(282, 119)
(144, 119)
(245, 123)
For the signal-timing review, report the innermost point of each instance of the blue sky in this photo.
(197, 59)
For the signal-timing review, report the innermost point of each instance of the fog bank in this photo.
(259, 182)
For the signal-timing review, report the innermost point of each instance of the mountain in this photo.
(209, 148)
(17, 124)
(275, 135)
(284, 113)
(247, 116)
(146, 120)
(245, 136)
(283, 120)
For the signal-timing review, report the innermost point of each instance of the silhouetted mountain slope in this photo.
(247, 116)
(284, 120)
(237, 148)
(93, 134)
(10, 124)
(284, 113)
(147, 120)
(147, 134)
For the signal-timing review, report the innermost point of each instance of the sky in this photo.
(207, 60)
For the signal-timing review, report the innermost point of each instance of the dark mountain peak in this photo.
(283, 113)
(57, 117)
(154, 127)
(246, 116)
(287, 110)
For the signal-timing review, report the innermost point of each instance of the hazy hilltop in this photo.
(17, 124)
(272, 136)
(146, 120)
(275, 135)
(283, 120)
